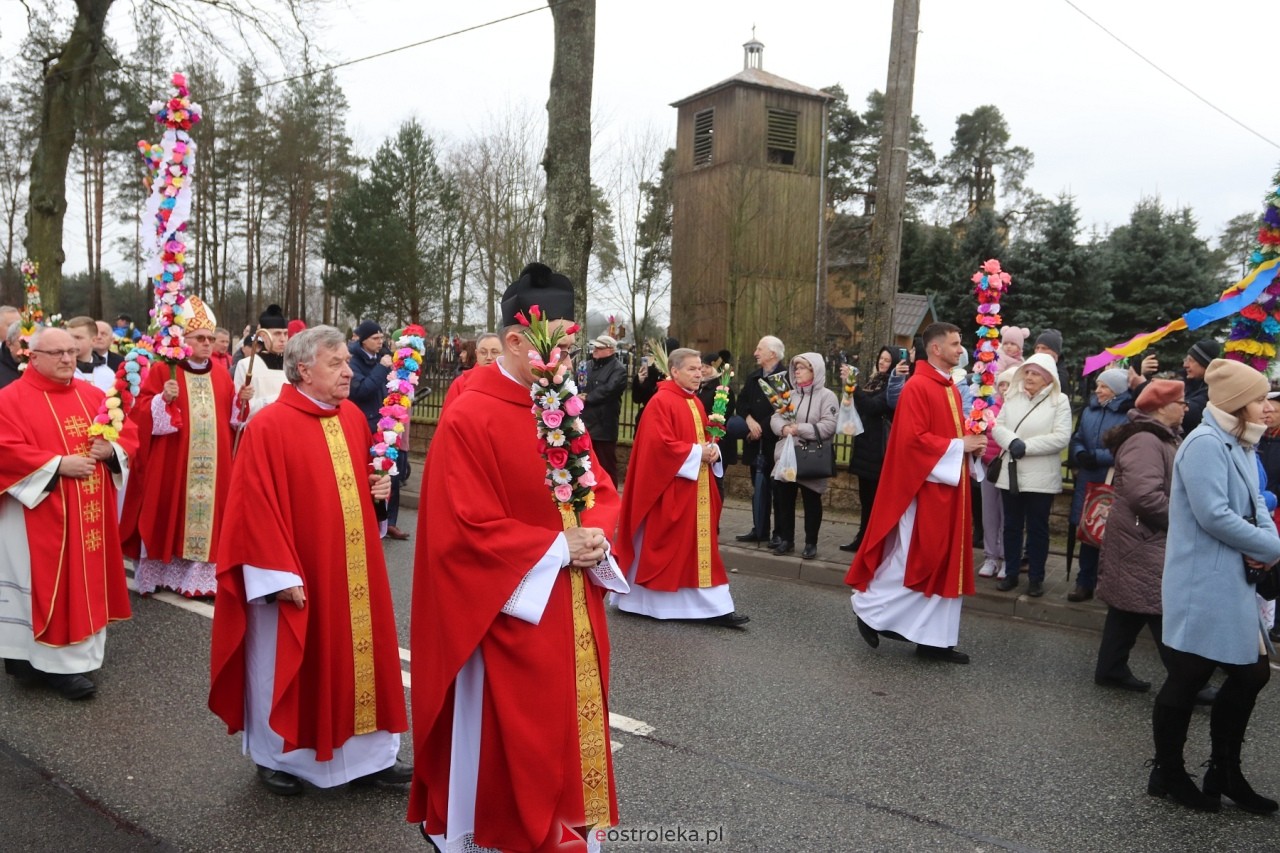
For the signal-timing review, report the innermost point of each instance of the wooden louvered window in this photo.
(780, 147)
(703, 129)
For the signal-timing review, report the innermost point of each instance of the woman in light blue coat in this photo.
(1218, 525)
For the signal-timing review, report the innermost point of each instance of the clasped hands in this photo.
(586, 546)
(79, 467)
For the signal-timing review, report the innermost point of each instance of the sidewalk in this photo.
(831, 564)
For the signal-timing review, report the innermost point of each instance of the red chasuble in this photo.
(680, 547)
(485, 520)
(77, 570)
(176, 496)
(300, 503)
(940, 558)
(456, 387)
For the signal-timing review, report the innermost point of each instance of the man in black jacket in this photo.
(602, 395)
(757, 451)
(10, 327)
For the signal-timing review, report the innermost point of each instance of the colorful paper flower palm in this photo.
(32, 312)
(720, 406)
(562, 436)
(170, 166)
(1255, 330)
(390, 441)
(989, 285)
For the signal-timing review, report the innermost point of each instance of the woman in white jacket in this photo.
(1033, 428)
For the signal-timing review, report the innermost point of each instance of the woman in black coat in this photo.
(868, 449)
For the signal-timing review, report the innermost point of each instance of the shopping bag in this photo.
(785, 468)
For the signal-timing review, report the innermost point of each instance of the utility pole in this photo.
(881, 287)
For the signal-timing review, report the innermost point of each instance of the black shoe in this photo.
(70, 685)
(399, 773)
(732, 619)
(810, 552)
(1007, 584)
(750, 537)
(279, 782)
(784, 546)
(871, 635)
(21, 670)
(775, 541)
(1080, 594)
(1206, 695)
(1128, 682)
(1224, 779)
(942, 653)
(1173, 782)
(1035, 589)
(851, 548)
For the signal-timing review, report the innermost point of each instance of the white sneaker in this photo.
(1000, 574)
(988, 569)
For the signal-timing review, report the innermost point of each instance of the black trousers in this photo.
(1229, 717)
(866, 499)
(1119, 633)
(784, 497)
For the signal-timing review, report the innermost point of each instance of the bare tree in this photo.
(636, 187)
(502, 197)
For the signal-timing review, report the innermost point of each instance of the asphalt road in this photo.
(788, 735)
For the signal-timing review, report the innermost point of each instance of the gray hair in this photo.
(489, 335)
(677, 357)
(13, 333)
(306, 346)
(774, 345)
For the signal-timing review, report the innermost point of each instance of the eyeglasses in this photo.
(58, 353)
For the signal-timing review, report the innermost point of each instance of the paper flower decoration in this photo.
(390, 442)
(32, 312)
(989, 285)
(1255, 329)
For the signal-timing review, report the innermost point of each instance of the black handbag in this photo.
(815, 459)
(993, 468)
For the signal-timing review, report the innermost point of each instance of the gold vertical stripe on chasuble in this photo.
(202, 467)
(593, 740)
(704, 505)
(952, 394)
(357, 577)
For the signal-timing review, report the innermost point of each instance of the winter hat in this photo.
(1233, 384)
(1041, 363)
(1014, 334)
(273, 318)
(366, 330)
(296, 326)
(603, 342)
(1006, 376)
(1160, 392)
(1052, 339)
(1205, 351)
(1115, 379)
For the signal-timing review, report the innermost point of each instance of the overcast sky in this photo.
(1102, 124)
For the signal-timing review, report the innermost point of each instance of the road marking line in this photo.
(205, 609)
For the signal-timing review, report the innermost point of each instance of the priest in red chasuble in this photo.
(510, 644)
(667, 538)
(178, 493)
(916, 558)
(60, 559)
(305, 657)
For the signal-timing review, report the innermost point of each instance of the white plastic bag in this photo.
(785, 469)
(847, 420)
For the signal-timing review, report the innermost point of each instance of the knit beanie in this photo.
(366, 330)
(1015, 335)
(1233, 384)
(1052, 339)
(1205, 351)
(1159, 392)
(1115, 379)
